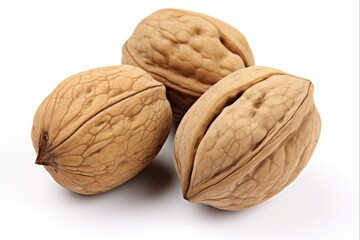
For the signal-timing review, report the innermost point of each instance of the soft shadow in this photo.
(214, 212)
(173, 130)
(151, 182)
(211, 212)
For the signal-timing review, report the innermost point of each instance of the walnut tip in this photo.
(40, 160)
(46, 159)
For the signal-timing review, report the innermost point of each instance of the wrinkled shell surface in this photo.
(187, 51)
(99, 128)
(246, 138)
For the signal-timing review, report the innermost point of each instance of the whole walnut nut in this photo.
(246, 138)
(186, 51)
(100, 127)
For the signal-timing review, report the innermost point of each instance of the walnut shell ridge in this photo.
(187, 51)
(246, 138)
(100, 127)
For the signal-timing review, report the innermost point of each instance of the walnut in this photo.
(246, 138)
(100, 127)
(188, 52)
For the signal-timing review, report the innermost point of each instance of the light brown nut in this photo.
(246, 138)
(186, 51)
(100, 127)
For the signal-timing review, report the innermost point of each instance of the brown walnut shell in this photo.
(186, 51)
(100, 127)
(246, 138)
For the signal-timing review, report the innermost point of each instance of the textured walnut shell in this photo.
(186, 51)
(246, 138)
(99, 128)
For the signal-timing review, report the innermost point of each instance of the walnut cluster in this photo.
(243, 133)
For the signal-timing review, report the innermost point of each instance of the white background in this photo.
(43, 42)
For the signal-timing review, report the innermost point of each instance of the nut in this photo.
(186, 51)
(246, 138)
(99, 128)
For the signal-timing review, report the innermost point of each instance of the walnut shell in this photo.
(100, 127)
(186, 51)
(246, 138)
